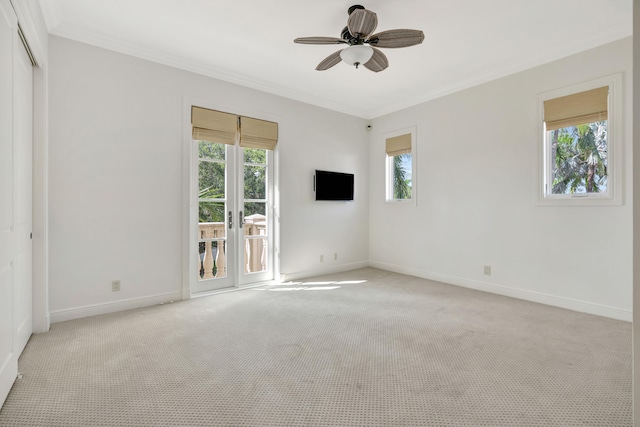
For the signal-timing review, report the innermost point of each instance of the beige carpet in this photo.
(391, 350)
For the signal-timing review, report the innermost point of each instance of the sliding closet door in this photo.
(8, 359)
(16, 193)
(22, 194)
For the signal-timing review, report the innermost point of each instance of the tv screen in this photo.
(333, 185)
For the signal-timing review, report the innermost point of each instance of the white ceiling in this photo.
(250, 42)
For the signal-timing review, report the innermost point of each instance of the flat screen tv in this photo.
(333, 185)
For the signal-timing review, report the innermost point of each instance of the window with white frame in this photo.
(580, 139)
(400, 150)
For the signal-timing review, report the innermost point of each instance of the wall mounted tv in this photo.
(333, 185)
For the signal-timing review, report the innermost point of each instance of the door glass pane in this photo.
(255, 182)
(211, 220)
(255, 156)
(212, 259)
(211, 150)
(211, 177)
(255, 254)
(212, 206)
(254, 212)
(255, 237)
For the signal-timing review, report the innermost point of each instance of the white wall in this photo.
(477, 184)
(117, 183)
(116, 187)
(333, 142)
(636, 212)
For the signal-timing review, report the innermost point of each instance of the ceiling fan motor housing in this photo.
(354, 7)
(350, 38)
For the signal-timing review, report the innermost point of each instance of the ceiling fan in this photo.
(357, 34)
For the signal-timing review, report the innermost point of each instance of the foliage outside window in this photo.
(401, 176)
(400, 167)
(579, 159)
(255, 181)
(211, 181)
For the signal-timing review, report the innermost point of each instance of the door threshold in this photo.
(232, 289)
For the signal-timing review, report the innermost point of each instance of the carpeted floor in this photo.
(363, 348)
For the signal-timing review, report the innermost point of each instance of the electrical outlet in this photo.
(335, 256)
(321, 258)
(487, 270)
(115, 286)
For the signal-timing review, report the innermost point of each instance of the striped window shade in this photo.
(577, 109)
(398, 145)
(214, 126)
(255, 133)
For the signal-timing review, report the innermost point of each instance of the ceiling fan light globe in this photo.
(358, 54)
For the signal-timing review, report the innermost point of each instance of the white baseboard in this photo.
(285, 277)
(112, 307)
(23, 333)
(539, 297)
(231, 289)
(542, 298)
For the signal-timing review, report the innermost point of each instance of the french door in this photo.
(232, 218)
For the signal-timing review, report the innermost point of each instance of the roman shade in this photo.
(580, 108)
(214, 126)
(398, 145)
(256, 133)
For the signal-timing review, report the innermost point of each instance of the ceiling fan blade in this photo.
(319, 40)
(396, 38)
(378, 61)
(329, 61)
(362, 22)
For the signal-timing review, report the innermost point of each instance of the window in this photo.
(580, 139)
(400, 149)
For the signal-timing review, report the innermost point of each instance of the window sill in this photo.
(401, 202)
(566, 201)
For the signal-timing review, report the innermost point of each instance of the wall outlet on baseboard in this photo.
(115, 286)
(487, 270)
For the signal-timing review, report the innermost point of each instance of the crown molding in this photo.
(50, 13)
(69, 31)
(82, 35)
(532, 62)
(31, 23)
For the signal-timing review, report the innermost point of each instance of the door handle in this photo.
(230, 220)
(241, 219)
